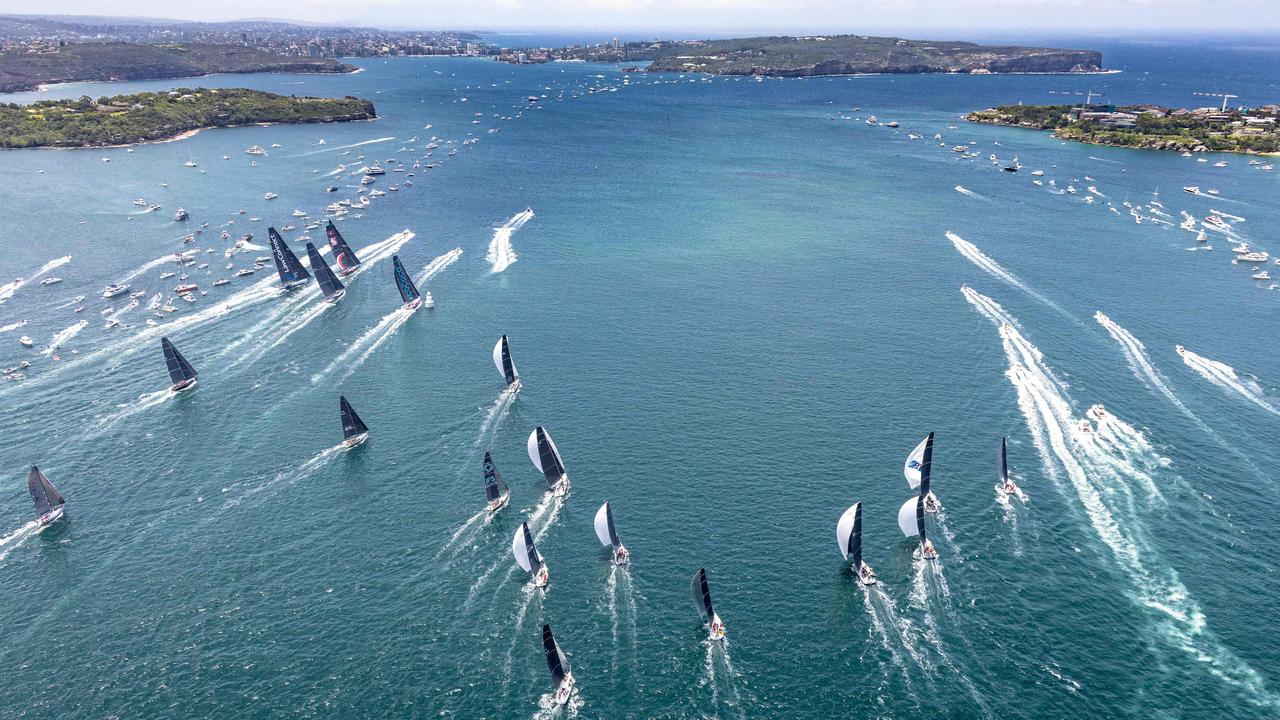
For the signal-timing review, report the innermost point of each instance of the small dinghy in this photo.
(608, 534)
(354, 431)
(496, 492)
(702, 601)
(507, 366)
(546, 457)
(292, 273)
(918, 470)
(561, 677)
(180, 371)
(911, 521)
(330, 285)
(527, 556)
(47, 499)
(343, 255)
(849, 537)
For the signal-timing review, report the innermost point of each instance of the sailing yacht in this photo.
(702, 601)
(911, 521)
(918, 471)
(354, 431)
(408, 291)
(1007, 485)
(527, 556)
(505, 364)
(849, 538)
(329, 283)
(292, 273)
(180, 371)
(496, 492)
(608, 534)
(48, 501)
(561, 677)
(546, 457)
(343, 255)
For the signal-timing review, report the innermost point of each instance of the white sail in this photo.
(497, 358)
(533, 449)
(604, 526)
(521, 550)
(907, 518)
(911, 469)
(844, 529)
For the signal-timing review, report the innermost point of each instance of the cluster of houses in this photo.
(1239, 121)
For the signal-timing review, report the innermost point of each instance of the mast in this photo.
(557, 663)
(329, 283)
(502, 360)
(526, 553)
(179, 369)
(343, 255)
(926, 466)
(408, 291)
(352, 425)
(545, 456)
(494, 488)
(287, 264)
(1002, 463)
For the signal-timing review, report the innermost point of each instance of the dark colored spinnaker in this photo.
(502, 360)
(557, 663)
(343, 255)
(352, 425)
(408, 291)
(330, 285)
(494, 488)
(292, 273)
(545, 456)
(45, 495)
(180, 371)
(702, 595)
(1002, 463)
(926, 466)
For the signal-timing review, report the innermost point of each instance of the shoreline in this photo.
(184, 135)
(48, 86)
(1054, 134)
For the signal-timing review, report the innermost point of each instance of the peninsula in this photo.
(1152, 127)
(28, 69)
(815, 55)
(154, 116)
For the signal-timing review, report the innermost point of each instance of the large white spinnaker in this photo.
(911, 518)
(504, 362)
(915, 465)
(546, 456)
(849, 534)
(523, 548)
(605, 530)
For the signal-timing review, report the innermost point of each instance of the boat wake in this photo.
(718, 673)
(15, 539)
(1099, 480)
(1224, 376)
(462, 535)
(289, 476)
(8, 289)
(149, 265)
(966, 191)
(343, 147)
(977, 257)
(1140, 363)
(374, 337)
(12, 326)
(501, 254)
(546, 512)
(64, 335)
(548, 709)
(891, 632)
(494, 416)
(126, 410)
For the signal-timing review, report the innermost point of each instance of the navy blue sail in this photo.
(926, 466)
(494, 488)
(330, 285)
(352, 425)
(180, 371)
(557, 663)
(292, 273)
(43, 493)
(343, 255)
(702, 595)
(1002, 466)
(920, 520)
(855, 538)
(408, 291)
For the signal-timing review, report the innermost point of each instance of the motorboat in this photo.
(51, 281)
(114, 290)
(26, 341)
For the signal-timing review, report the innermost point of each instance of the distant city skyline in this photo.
(937, 18)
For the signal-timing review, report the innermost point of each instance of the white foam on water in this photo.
(878, 628)
(12, 326)
(343, 147)
(64, 335)
(501, 253)
(528, 594)
(145, 401)
(1011, 518)
(966, 191)
(461, 532)
(611, 598)
(8, 289)
(494, 415)
(149, 265)
(15, 539)
(1224, 376)
(1102, 489)
(291, 476)
(977, 257)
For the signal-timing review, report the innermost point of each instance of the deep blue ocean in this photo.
(735, 306)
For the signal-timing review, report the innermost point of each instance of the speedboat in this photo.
(1098, 412)
(244, 272)
(298, 213)
(270, 196)
(255, 150)
(220, 282)
(186, 288)
(138, 294)
(181, 215)
(25, 341)
(51, 281)
(167, 275)
(113, 290)
(1264, 275)
(140, 202)
(1192, 189)
(1085, 428)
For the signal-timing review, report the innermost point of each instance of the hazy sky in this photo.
(938, 18)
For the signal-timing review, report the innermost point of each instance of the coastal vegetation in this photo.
(151, 116)
(826, 55)
(24, 69)
(1148, 126)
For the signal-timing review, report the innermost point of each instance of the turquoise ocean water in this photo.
(736, 309)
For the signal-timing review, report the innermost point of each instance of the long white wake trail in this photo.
(63, 336)
(1104, 493)
(15, 539)
(995, 269)
(1224, 376)
(8, 289)
(373, 338)
(501, 253)
(1136, 353)
(344, 147)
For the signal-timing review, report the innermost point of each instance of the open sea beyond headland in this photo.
(736, 307)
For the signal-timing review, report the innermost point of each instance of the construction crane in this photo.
(1224, 96)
